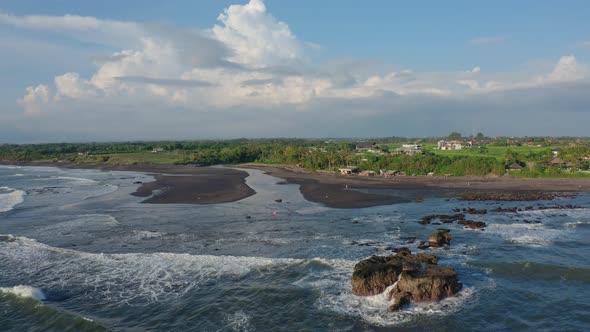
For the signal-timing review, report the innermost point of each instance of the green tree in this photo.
(455, 136)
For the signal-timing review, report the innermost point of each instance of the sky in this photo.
(153, 70)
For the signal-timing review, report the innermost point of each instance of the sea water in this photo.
(78, 253)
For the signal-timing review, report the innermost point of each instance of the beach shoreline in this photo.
(175, 184)
(342, 191)
(186, 184)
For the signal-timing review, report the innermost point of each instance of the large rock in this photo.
(440, 238)
(416, 278)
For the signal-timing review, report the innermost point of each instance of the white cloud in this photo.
(70, 85)
(251, 68)
(568, 69)
(84, 28)
(35, 99)
(487, 40)
(257, 38)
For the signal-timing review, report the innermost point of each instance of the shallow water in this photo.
(78, 253)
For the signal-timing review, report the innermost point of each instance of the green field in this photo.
(497, 152)
(141, 158)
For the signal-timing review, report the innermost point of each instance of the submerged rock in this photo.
(440, 238)
(415, 278)
(475, 211)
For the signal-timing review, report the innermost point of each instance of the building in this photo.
(410, 149)
(449, 145)
(348, 170)
(370, 147)
(557, 161)
(157, 150)
(515, 166)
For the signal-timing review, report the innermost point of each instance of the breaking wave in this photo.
(526, 234)
(24, 292)
(135, 278)
(10, 197)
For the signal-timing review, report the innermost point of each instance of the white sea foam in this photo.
(10, 197)
(24, 292)
(147, 235)
(239, 321)
(81, 181)
(131, 278)
(526, 234)
(532, 240)
(81, 223)
(10, 167)
(577, 224)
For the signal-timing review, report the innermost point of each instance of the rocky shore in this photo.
(406, 277)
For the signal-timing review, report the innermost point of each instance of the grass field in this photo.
(147, 158)
(497, 152)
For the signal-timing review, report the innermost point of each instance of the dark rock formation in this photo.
(440, 238)
(415, 278)
(473, 224)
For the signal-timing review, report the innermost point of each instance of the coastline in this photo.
(175, 184)
(334, 190)
(185, 184)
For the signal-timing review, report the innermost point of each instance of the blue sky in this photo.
(373, 61)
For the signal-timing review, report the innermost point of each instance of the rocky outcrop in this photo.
(473, 224)
(415, 278)
(440, 238)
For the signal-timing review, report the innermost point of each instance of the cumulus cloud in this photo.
(256, 37)
(248, 75)
(34, 99)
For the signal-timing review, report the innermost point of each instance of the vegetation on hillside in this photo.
(487, 156)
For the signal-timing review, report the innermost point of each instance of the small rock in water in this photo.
(278, 200)
(440, 238)
(472, 224)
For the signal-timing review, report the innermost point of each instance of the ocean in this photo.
(79, 253)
